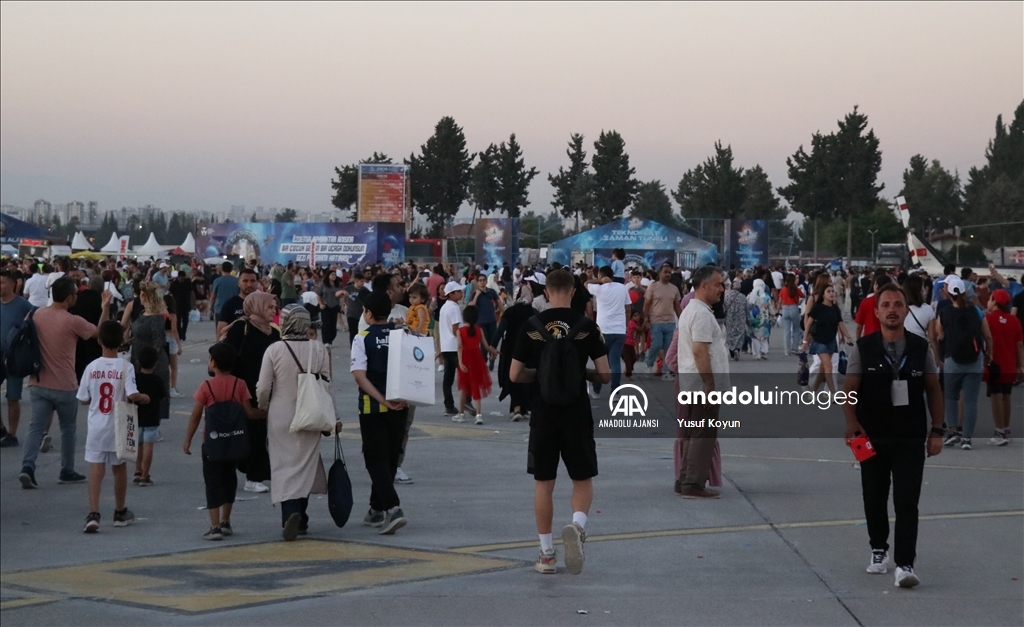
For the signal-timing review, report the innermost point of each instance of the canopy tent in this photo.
(647, 243)
(188, 247)
(12, 230)
(113, 246)
(88, 254)
(7, 249)
(80, 242)
(152, 248)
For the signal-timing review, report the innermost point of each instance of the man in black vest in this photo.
(893, 375)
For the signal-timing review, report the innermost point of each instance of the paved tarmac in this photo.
(785, 545)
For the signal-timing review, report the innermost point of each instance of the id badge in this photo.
(900, 393)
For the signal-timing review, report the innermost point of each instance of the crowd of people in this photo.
(116, 328)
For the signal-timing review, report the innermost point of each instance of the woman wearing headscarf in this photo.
(735, 319)
(250, 336)
(760, 319)
(295, 467)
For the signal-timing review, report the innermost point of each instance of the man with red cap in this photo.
(1007, 362)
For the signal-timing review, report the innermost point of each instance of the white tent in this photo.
(7, 249)
(113, 246)
(80, 242)
(189, 245)
(153, 248)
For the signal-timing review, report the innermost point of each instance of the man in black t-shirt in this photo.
(232, 310)
(563, 431)
(354, 294)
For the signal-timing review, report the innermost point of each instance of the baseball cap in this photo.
(955, 285)
(452, 286)
(163, 265)
(540, 278)
(1002, 297)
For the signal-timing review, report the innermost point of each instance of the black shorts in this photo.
(564, 435)
(999, 388)
(221, 483)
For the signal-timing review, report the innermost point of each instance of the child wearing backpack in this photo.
(229, 394)
(104, 382)
(474, 379)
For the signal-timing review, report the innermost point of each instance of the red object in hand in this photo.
(861, 447)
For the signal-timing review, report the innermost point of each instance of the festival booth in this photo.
(306, 243)
(647, 243)
(153, 248)
(26, 239)
(80, 242)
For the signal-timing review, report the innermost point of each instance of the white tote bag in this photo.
(314, 408)
(126, 422)
(410, 368)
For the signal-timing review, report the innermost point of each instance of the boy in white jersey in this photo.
(104, 382)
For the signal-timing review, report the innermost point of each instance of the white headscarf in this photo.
(757, 295)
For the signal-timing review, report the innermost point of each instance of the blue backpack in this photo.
(23, 357)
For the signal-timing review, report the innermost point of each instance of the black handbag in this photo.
(339, 487)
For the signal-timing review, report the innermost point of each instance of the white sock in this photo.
(580, 519)
(547, 544)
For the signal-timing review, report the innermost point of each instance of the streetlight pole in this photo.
(873, 231)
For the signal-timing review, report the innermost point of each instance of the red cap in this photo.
(1002, 297)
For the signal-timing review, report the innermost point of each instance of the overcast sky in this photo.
(199, 106)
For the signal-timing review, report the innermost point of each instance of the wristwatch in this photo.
(938, 431)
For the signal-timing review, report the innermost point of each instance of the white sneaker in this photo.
(905, 577)
(591, 392)
(879, 563)
(459, 418)
(174, 393)
(516, 417)
(479, 420)
(255, 486)
(998, 440)
(401, 478)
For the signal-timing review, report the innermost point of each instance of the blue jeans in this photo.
(45, 401)
(965, 377)
(791, 327)
(614, 342)
(661, 336)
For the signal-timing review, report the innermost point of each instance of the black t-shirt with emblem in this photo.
(590, 345)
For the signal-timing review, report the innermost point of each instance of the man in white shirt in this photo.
(703, 366)
(390, 283)
(777, 279)
(449, 322)
(35, 289)
(613, 311)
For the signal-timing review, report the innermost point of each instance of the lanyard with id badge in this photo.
(900, 393)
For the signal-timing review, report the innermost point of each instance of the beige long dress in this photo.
(296, 470)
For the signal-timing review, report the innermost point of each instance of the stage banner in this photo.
(636, 258)
(749, 243)
(345, 243)
(383, 192)
(497, 241)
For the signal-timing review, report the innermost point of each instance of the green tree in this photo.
(346, 187)
(286, 214)
(652, 202)
(933, 195)
(157, 225)
(513, 178)
(102, 233)
(713, 189)
(569, 200)
(483, 182)
(994, 193)
(760, 201)
(539, 229)
(881, 219)
(440, 174)
(809, 191)
(614, 185)
(855, 165)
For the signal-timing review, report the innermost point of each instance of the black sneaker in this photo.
(213, 534)
(394, 520)
(374, 518)
(291, 527)
(9, 441)
(225, 529)
(124, 517)
(137, 478)
(28, 479)
(450, 411)
(70, 476)
(92, 522)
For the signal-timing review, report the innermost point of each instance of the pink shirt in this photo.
(58, 333)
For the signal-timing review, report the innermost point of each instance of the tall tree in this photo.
(286, 214)
(994, 193)
(614, 185)
(483, 182)
(440, 174)
(346, 188)
(513, 178)
(760, 201)
(567, 182)
(854, 169)
(538, 229)
(933, 194)
(810, 191)
(652, 202)
(713, 189)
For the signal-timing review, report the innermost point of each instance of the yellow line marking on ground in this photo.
(246, 575)
(26, 602)
(665, 533)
